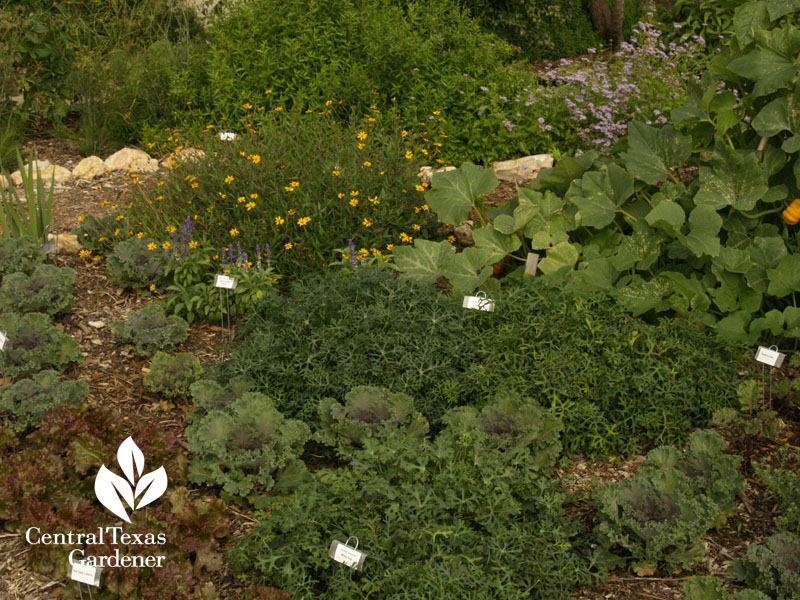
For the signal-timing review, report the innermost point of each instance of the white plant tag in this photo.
(3, 340)
(531, 263)
(478, 302)
(770, 356)
(225, 282)
(82, 572)
(227, 136)
(347, 555)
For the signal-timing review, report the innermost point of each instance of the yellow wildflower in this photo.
(374, 200)
(340, 195)
(292, 211)
(240, 199)
(425, 207)
(288, 245)
(389, 247)
(234, 232)
(367, 163)
(279, 220)
(303, 221)
(254, 196)
(354, 193)
(415, 227)
(152, 246)
(166, 245)
(120, 217)
(278, 108)
(451, 239)
(353, 202)
(229, 179)
(104, 202)
(250, 205)
(81, 219)
(116, 232)
(247, 106)
(409, 154)
(152, 287)
(404, 133)
(360, 146)
(419, 188)
(336, 173)
(362, 135)
(194, 244)
(366, 222)
(404, 237)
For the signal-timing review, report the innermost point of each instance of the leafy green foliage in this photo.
(616, 391)
(246, 446)
(751, 418)
(772, 567)
(172, 375)
(133, 264)
(48, 478)
(34, 343)
(444, 519)
(29, 216)
(28, 400)
(783, 482)
(49, 289)
(711, 588)
(712, 248)
(512, 424)
(208, 395)
(150, 330)
(20, 254)
(99, 234)
(368, 412)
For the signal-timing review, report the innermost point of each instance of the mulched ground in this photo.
(114, 374)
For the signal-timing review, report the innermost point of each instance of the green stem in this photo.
(630, 216)
(762, 213)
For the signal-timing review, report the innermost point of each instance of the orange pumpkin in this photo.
(791, 215)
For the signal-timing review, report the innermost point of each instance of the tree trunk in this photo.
(601, 18)
(617, 17)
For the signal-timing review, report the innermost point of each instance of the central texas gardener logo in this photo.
(111, 489)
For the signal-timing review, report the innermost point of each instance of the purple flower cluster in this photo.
(351, 248)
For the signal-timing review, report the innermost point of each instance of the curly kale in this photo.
(34, 343)
(137, 263)
(151, 330)
(49, 289)
(172, 375)
(28, 400)
(20, 254)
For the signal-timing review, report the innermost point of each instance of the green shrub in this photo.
(20, 254)
(246, 446)
(442, 519)
(783, 483)
(137, 263)
(772, 567)
(49, 289)
(99, 234)
(297, 190)
(34, 343)
(512, 423)
(28, 400)
(616, 391)
(367, 412)
(711, 588)
(150, 330)
(172, 375)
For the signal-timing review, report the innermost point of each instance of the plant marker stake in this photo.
(3, 340)
(348, 555)
(228, 283)
(478, 302)
(531, 263)
(768, 356)
(81, 572)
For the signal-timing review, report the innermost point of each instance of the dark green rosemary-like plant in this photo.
(246, 446)
(150, 330)
(34, 343)
(28, 400)
(49, 289)
(172, 375)
(368, 411)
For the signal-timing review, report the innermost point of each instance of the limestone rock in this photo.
(89, 168)
(41, 165)
(59, 174)
(182, 156)
(66, 242)
(426, 173)
(47, 171)
(522, 170)
(131, 159)
(463, 233)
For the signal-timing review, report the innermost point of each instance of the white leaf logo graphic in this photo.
(111, 489)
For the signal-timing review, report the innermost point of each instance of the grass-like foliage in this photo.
(246, 446)
(100, 234)
(513, 424)
(172, 375)
(368, 411)
(611, 378)
(49, 289)
(150, 330)
(20, 254)
(441, 519)
(783, 482)
(292, 192)
(34, 343)
(28, 400)
(658, 515)
(772, 567)
(137, 263)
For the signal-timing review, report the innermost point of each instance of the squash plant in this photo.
(638, 225)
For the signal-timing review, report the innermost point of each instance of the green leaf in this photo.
(523, 215)
(641, 296)
(748, 19)
(423, 262)
(653, 153)
(785, 278)
(563, 173)
(558, 257)
(703, 237)
(597, 274)
(504, 224)
(772, 65)
(641, 248)
(495, 243)
(737, 179)
(791, 145)
(468, 269)
(599, 194)
(773, 118)
(732, 260)
(453, 192)
(667, 216)
(779, 8)
(733, 327)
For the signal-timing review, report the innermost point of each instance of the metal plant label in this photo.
(478, 302)
(225, 282)
(347, 555)
(83, 572)
(770, 356)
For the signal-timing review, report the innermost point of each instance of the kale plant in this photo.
(49, 289)
(367, 412)
(513, 423)
(20, 254)
(150, 330)
(172, 375)
(773, 567)
(440, 519)
(246, 446)
(28, 400)
(783, 482)
(34, 343)
(710, 471)
(137, 263)
(655, 518)
(209, 395)
(711, 588)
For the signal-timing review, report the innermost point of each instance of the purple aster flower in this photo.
(351, 249)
